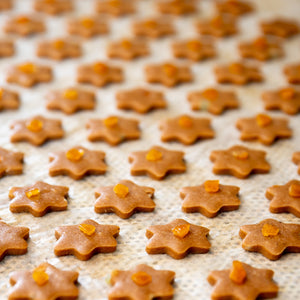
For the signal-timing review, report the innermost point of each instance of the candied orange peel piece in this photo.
(240, 154)
(151, 24)
(212, 186)
(217, 21)
(40, 276)
(237, 273)
(154, 155)
(87, 22)
(100, 67)
(194, 45)
(70, 94)
(261, 42)
(111, 122)
(34, 125)
(33, 194)
(121, 190)
(287, 93)
(87, 229)
(294, 190)
(126, 44)
(115, 3)
(169, 69)
(181, 231)
(210, 94)
(58, 44)
(27, 68)
(236, 68)
(141, 278)
(74, 154)
(22, 19)
(269, 230)
(1, 93)
(185, 122)
(263, 120)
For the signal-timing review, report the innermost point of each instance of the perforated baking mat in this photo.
(191, 272)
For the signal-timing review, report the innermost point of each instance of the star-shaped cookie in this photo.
(38, 199)
(53, 7)
(296, 160)
(124, 199)
(141, 283)
(7, 47)
(11, 163)
(77, 162)
(239, 161)
(186, 129)
(271, 238)
(99, 74)
(157, 162)
(264, 128)
(292, 73)
(44, 282)
(140, 100)
(234, 7)
(210, 198)
(113, 130)
(36, 130)
(71, 100)
(168, 74)
(177, 239)
(115, 8)
(242, 282)
(6, 5)
(176, 7)
(213, 100)
(86, 239)
(280, 27)
(12, 240)
(9, 99)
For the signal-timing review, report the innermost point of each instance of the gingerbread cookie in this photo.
(6, 5)
(292, 73)
(271, 238)
(7, 47)
(262, 48)
(296, 160)
(59, 49)
(219, 26)
(36, 130)
(86, 239)
(24, 25)
(239, 161)
(242, 282)
(286, 99)
(210, 198)
(213, 100)
(53, 7)
(234, 7)
(157, 162)
(77, 162)
(99, 74)
(264, 128)
(124, 199)
(38, 199)
(168, 74)
(12, 240)
(71, 100)
(11, 163)
(128, 49)
(176, 7)
(140, 100)
(280, 27)
(9, 99)
(115, 7)
(113, 130)
(186, 129)
(155, 27)
(141, 282)
(194, 49)
(44, 282)
(29, 74)
(238, 73)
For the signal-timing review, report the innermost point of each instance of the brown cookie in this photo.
(113, 130)
(271, 238)
(213, 100)
(176, 7)
(12, 240)
(88, 26)
(280, 27)
(59, 49)
(53, 7)
(238, 73)
(218, 26)
(155, 27)
(157, 162)
(140, 100)
(128, 49)
(296, 160)
(242, 282)
(11, 163)
(141, 282)
(8, 99)
(116, 8)
(292, 73)
(234, 7)
(38, 199)
(210, 198)
(77, 162)
(36, 130)
(124, 199)
(71, 100)
(29, 74)
(24, 25)
(262, 48)
(286, 99)
(194, 49)
(263, 128)
(186, 129)
(285, 198)
(99, 74)
(239, 161)
(168, 74)
(6, 5)
(177, 239)
(86, 239)
(7, 47)
(44, 282)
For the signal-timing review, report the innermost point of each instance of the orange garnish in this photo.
(74, 154)
(1, 93)
(263, 120)
(121, 190)
(236, 68)
(40, 276)
(70, 94)
(194, 45)
(185, 121)
(237, 273)
(100, 68)
(287, 93)
(27, 68)
(261, 42)
(22, 19)
(141, 278)
(169, 69)
(111, 122)
(126, 44)
(217, 21)
(58, 44)
(33, 194)
(210, 94)
(115, 3)
(269, 230)
(240, 154)
(154, 155)
(34, 125)
(211, 186)
(87, 22)
(294, 190)
(181, 230)
(151, 24)
(87, 229)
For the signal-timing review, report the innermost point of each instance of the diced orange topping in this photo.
(50, 1)
(111, 122)
(210, 94)
(237, 273)
(126, 44)
(154, 155)
(236, 68)
(87, 22)
(185, 121)
(263, 120)
(74, 154)
(27, 68)
(241, 154)
(40, 276)
(151, 24)
(170, 70)
(87, 229)
(22, 19)
(70, 94)
(194, 45)
(33, 194)
(211, 186)
(100, 68)
(58, 44)
(34, 125)
(294, 190)
(181, 230)
(217, 21)
(1, 159)
(269, 230)
(121, 190)
(1, 93)
(141, 278)
(261, 43)
(115, 3)
(287, 93)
